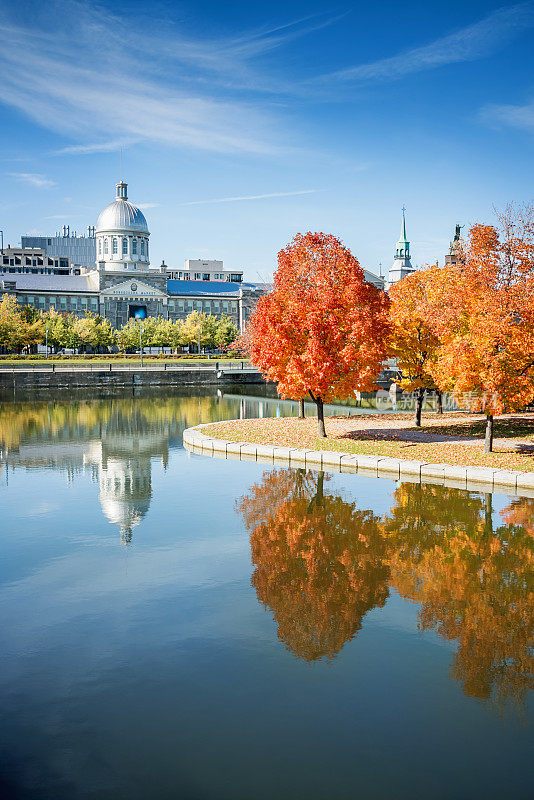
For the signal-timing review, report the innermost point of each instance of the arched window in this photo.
(106, 246)
(401, 253)
(142, 247)
(134, 247)
(125, 246)
(99, 246)
(114, 246)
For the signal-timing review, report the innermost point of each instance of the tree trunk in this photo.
(439, 398)
(301, 409)
(488, 441)
(320, 417)
(488, 509)
(419, 406)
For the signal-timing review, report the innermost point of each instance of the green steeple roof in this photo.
(403, 245)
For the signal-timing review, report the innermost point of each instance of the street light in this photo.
(46, 340)
(141, 331)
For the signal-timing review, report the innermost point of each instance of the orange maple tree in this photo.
(413, 341)
(486, 325)
(322, 330)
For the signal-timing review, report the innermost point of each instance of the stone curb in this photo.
(476, 479)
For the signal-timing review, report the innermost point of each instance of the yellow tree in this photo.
(413, 341)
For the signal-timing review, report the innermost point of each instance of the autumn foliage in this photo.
(483, 315)
(321, 564)
(413, 340)
(322, 330)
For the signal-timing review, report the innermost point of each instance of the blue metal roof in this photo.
(197, 288)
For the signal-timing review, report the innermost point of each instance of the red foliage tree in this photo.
(322, 330)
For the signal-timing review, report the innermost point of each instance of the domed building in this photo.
(122, 236)
(128, 286)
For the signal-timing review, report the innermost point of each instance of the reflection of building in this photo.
(122, 457)
(118, 449)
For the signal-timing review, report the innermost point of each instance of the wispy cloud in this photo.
(509, 115)
(468, 44)
(95, 147)
(248, 197)
(143, 80)
(148, 205)
(33, 179)
(63, 216)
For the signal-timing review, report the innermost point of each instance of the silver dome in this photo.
(121, 215)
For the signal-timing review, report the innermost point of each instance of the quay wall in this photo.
(73, 378)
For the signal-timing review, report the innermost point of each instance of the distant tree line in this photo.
(22, 328)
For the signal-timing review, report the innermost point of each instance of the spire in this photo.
(403, 236)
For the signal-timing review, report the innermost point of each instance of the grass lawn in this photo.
(375, 435)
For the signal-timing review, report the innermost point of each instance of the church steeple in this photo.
(402, 264)
(403, 245)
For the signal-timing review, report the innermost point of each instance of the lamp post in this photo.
(46, 341)
(141, 331)
(199, 340)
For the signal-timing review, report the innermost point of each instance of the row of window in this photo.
(61, 302)
(235, 277)
(207, 306)
(37, 261)
(143, 246)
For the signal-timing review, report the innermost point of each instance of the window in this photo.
(171, 305)
(124, 246)
(216, 306)
(225, 307)
(134, 247)
(189, 305)
(84, 302)
(207, 306)
(94, 303)
(50, 262)
(106, 246)
(233, 307)
(28, 260)
(187, 276)
(74, 303)
(41, 301)
(206, 276)
(30, 300)
(142, 247)
(63, 302)
(197, 276)
(198, 305)
(100, 247)
(181, 305)
(115, 246)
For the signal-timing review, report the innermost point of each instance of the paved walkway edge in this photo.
(474, 479)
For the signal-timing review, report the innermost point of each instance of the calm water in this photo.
(177, 627)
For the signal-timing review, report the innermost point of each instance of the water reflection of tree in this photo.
(319, 561)
(474, 583)
(320, 564)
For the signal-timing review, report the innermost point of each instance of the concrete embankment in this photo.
(111, 376)
(473, 479)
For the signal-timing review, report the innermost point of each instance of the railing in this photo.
(215, 366)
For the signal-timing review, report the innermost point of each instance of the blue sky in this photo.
(245, 122)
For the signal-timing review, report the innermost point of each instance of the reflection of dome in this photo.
(121, 215)
(125, 513)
